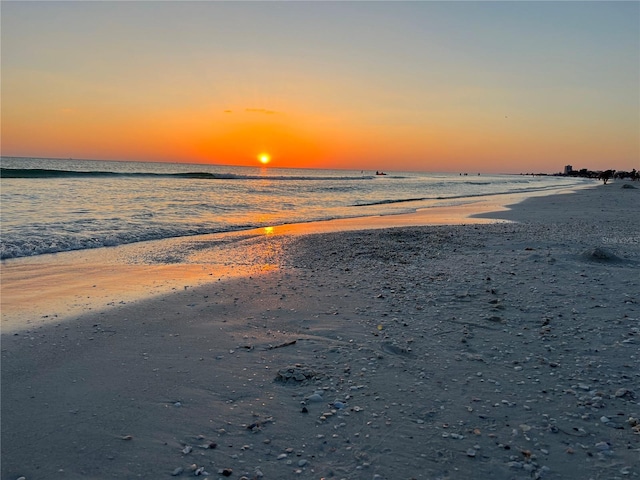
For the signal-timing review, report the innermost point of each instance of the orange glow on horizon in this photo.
(242, 143)
(305, 140)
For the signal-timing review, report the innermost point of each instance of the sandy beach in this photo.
(481, 350)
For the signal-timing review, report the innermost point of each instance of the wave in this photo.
(33, 173)
(390, 201)
(42, 241)
(457, 197)
(47, 243)
(46, 173)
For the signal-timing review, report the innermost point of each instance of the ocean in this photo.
(54, 205)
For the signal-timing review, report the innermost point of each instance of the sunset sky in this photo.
(420, 86)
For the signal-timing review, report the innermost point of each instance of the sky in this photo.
(498, 87)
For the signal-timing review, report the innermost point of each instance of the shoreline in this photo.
(48, 288)
(506, 350)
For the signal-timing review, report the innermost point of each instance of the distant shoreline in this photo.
(583, 172)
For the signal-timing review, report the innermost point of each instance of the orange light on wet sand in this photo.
(264, 158)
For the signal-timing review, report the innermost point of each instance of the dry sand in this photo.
(506, 351)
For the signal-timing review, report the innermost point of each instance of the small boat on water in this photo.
(380, 173)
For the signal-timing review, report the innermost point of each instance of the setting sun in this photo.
(264, 158)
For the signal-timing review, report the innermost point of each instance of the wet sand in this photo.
(51, 288)
(504, 350)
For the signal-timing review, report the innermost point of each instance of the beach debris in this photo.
(255, 426)
(495, 319)
(227, 472)
(599, 254)
(285, 344)
(200, 471)
(188, 449)
(395, 349)
(296, 374)
(315, 397)
(127, 437)
(177, 471)
(625, 393)
(635, 425)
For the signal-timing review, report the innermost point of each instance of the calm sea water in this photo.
(53, 205)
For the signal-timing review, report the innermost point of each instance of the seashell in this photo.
(315, 398)
(624, 393)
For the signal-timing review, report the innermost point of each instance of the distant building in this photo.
(568, 169)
